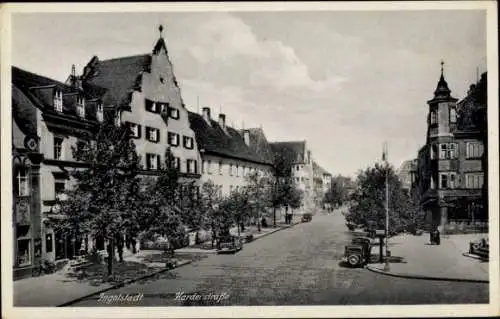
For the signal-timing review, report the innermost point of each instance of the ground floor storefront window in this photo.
(23, 252)
(67, 246)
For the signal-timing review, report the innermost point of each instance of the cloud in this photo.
(224, 40)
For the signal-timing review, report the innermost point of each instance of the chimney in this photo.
(222, 121)
(246, 137)
(206, 114)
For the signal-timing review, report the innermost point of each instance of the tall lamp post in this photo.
(384, 158)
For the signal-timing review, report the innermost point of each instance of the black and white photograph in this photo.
(170, 157)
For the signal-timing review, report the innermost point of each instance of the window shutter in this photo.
(158, 162)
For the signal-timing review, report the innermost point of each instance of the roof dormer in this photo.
(80, 106)
(99, 112)
(58, 100)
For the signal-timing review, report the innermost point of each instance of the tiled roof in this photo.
(471, 110)
(120, 77)
(213, 139)
(292, 151)
(319, 169)
(260, 145)
(31, 90)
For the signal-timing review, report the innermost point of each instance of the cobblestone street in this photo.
(296, 266)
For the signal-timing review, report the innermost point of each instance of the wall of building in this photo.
(164, 92)
(223, 177)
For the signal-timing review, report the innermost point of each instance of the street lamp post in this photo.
(387, 265)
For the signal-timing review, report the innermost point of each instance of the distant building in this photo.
(299, 155)
(322, 181)
(406, 174)
(451, 179)
(229, 155)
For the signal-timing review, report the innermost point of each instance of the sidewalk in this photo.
(434, 262)
(62, 287)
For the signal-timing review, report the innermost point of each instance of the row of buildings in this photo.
(50, 117)
(450, 174)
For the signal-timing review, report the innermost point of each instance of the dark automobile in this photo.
(307, 217)
(230, 245)
(357, 253)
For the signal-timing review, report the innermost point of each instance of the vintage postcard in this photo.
(250, 160)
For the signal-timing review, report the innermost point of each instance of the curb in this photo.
(474, 256)
(276, 230)
(121, 284)
(379, 271)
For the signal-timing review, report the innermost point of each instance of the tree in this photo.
(162, 213)
(105, 200)
(258, 190)
(282, 182)
(213, 216)
(236, 206)
(368, 201)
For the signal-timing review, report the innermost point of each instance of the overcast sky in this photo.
(343, 81)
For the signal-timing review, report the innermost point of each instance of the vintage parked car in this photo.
(307, 217)
(480, 248)
(230, 245)
(357, 253)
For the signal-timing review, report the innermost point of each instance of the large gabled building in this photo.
(451, 173)
(142, 92)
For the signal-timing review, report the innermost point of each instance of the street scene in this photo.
(184, 159)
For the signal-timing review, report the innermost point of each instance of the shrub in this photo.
(95, 256)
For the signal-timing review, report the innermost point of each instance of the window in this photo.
(453, 115)
(177, 163)
(24, 252)
(173, 113)
(191, 166)
(231, 169)
(152, 106)
(448, 150)
(474, 149)
(22, 182)
(152, 161)
(152, 134)
(474, 180)
(209, 167)
(58, 101)
(100, 112)
(433, 118)
(59, 187)
(135, 129)
(48, 243)
(80, 106)
(173, 139)
(188, 142)
(220, 167)
(433, 183)
(58, 151)
(448, 180)
(237, 170)
(118, 118)
(230, 188)
(203, 166)
(297, 167)
(453, 180)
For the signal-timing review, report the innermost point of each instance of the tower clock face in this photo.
(31, 143)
